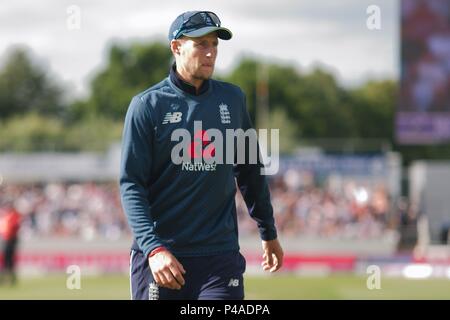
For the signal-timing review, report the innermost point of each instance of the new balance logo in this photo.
(172, 117)
(233, 283)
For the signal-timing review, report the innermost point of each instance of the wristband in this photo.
(155, 251)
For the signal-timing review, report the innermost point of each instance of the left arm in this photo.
(255, 191)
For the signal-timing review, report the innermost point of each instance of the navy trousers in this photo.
(217, 277)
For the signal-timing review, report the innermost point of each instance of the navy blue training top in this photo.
(188, 208)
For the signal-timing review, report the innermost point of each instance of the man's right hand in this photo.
(167, 270)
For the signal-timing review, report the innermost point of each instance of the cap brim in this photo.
(222, 33)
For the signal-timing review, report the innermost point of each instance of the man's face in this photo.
(197, 56)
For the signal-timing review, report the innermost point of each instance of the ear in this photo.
(175, 47)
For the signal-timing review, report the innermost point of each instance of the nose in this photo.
(211, 51)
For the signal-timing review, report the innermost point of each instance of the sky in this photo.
(303, 33)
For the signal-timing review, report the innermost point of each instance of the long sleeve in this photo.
(254, 188)
(135, 174)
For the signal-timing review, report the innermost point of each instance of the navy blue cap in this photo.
(196, 24)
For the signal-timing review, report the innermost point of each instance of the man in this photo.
(183, 217)
(10, 221)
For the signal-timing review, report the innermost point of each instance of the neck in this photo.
(197, 83)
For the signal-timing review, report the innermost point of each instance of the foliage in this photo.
(306, 107)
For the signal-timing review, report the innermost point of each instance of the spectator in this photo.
(92, 210)
(9, 230)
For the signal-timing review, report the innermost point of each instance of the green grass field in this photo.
(274, 287)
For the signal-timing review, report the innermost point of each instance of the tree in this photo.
(373, 107)
(322, 106)
(244, 76)
(129, 70)
(314, 103)
(31, 132)
(26, 87)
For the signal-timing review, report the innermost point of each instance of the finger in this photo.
(157, 279)
(280, 260)
(176, 272)
(265, 266)
(269, 259)
(171, 281)
(180, 266)
(163, 279)
(275, 266)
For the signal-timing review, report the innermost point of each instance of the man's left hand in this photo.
(273, 255)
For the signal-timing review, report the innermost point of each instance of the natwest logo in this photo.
(211, 147)
(201, 147)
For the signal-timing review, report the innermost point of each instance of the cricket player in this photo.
(183, 214)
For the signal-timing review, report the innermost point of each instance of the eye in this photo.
(205, 44)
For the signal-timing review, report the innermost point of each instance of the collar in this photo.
(183, 85)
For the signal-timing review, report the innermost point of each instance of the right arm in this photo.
(135, 173)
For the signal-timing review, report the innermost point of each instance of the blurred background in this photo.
(358, 89)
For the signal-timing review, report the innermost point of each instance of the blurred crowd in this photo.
(343, 210)
(87, 210)
(93, 210)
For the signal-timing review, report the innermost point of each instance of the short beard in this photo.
(201, 77)
(200, 74)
